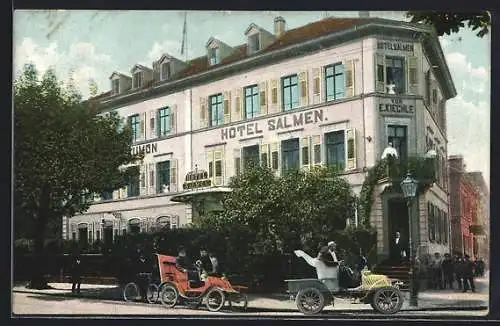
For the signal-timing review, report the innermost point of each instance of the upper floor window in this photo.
(216, 110)
(163, 176)
(291, 97)
(290, 153)
(214, 56)
(250, 155)
(395, 74)
(335, 82)
(398, 137)
(252, 104)
(115, 86)
(335, 150)
(164, 122)
(165, 70)
(137, 79)
(253, 43)
(135, 125)
(133, 187)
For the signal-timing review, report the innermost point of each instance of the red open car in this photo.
(175, 288)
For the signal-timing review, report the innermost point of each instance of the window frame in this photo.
(390, 139)
(135, 125)
(291, 86)
(251, 45)
(255, 100)
(246, 159)
(219, 105)
(334, 77)
(338, 166)
(115, 83)
(164, 113)
(294, 151)
(137, 82)
(135, 185)
(392, 59)
(159, 175)
(214, 56)
(165, 64)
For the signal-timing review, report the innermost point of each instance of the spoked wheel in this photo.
(387, 300)
(238, 302)
(153, 293)
(131, 292)
(215, 299)
(169, 296)
(310, 301)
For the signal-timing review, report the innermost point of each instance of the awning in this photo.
(191, 195)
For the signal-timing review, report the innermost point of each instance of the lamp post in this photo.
(409, 187)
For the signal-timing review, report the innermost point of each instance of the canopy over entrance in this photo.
(203, 201)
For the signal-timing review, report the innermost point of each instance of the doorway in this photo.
(398, 222)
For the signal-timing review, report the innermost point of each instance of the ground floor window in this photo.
(133, 187)
(134, 226)
(335, 150)
(290, 153)
(163, 177)
(250, 155)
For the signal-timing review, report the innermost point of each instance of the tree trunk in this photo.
(38, 280)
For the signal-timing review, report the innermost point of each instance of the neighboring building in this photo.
(482, 226)
(334, 92)
(464, 205)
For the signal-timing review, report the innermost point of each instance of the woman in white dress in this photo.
(327, 274)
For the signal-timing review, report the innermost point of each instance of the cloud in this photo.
(170, 47)
(81, 61)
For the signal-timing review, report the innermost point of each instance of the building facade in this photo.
(464, 207)
(334, 92)
(482, 226)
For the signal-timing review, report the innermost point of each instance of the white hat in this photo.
(331, 243)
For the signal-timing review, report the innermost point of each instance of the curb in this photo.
(266, 309)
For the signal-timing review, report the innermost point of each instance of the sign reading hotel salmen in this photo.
(273, 124)
(395, 46)
(396, 105)
(147, 148)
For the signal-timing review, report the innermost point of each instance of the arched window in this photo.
(134, 226)
(163, 222)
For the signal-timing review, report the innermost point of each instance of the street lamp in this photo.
(409, 187)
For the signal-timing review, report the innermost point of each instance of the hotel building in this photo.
(334, 92)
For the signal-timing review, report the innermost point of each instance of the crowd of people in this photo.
(455, 272)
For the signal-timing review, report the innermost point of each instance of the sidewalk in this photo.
(428, 300)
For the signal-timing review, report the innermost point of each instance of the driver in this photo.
(184, 264)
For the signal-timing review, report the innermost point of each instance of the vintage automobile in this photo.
(175, 288)
(311, 295)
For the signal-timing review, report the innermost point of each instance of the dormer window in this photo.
(137, 79)
(165, 70)
(214, 56)
(115, 86)
(254, 43)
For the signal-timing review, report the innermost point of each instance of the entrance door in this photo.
(108, 236)
(398, 222)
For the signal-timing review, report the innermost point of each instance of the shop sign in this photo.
(396, 105)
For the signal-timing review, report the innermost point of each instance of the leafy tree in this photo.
(450, 22)
(279, 214)
(64, 152)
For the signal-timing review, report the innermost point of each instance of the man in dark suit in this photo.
(398, 250)
(76, 273)
(205, 262)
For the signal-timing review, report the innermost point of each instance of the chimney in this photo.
(364, 14)
(279, 26)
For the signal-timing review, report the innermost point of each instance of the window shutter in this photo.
(305, 153)
(264, 155)
(238, 108)
(143, 180)
(152, 178)
(211, 165)
(349, 73)
(428, 87)
(143, 126)
(173, 119)
(152, 124)
(227, 107)
(203, 112)
(263, 98)
(218, 159)
(412, 68)
(316, 150)
(351, 149)
(275, 156)
(380, 73)
(275, 96)
(173, 175)
(304, 89)
(237, 161)
(316, 85)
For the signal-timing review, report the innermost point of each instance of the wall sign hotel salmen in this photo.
(395, 46)
(274, 124)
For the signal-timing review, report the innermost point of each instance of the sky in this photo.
(92, 44)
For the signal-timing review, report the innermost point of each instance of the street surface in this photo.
(106, 300)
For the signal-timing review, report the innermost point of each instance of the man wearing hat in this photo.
(331, 249)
